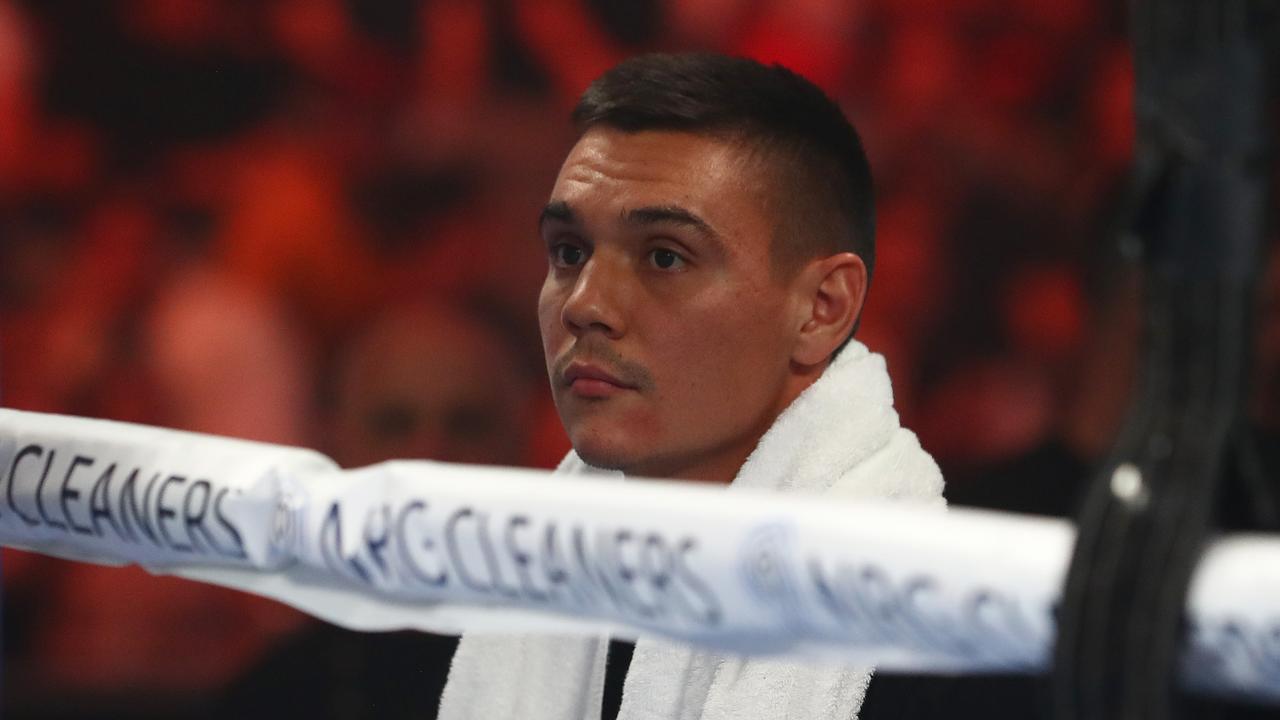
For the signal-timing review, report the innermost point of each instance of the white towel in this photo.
(840, 436)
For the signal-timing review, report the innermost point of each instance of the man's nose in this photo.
(595, 302)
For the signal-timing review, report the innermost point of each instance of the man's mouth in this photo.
(593, 381)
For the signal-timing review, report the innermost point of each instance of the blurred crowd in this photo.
(313, 222)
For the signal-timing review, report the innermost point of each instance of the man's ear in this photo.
(834, 289)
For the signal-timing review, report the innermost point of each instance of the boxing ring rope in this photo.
(451, 548)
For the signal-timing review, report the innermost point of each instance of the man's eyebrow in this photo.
(671, 214)
(558, 210)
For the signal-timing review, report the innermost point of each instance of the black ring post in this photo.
(1201, 181)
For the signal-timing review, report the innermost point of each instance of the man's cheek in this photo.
(550, 305)
(646, 423)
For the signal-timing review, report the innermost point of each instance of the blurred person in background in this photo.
(430, 380)
(1078, 352)
(202, 352)
(1056, 380)
(425, 380)
(227, 359)
(17, 99)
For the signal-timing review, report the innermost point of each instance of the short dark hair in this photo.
(824, 181)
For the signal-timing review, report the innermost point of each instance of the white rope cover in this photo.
(448, 548)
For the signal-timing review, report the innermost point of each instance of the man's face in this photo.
(667, 335)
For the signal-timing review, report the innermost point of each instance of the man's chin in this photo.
(607, 450)
(628, 461)
(603, 457)
(603, 442)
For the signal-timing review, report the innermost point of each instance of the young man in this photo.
(710, 243)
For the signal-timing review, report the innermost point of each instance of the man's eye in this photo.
(665, 259)
(566, 255)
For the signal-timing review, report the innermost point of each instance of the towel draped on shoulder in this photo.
(842, 437)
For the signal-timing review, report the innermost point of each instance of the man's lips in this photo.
(593, 381)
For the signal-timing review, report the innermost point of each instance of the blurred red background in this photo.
(313, 222)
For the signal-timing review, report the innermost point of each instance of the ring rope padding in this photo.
(452, 548)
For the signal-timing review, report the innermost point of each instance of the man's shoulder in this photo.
(900, 470)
